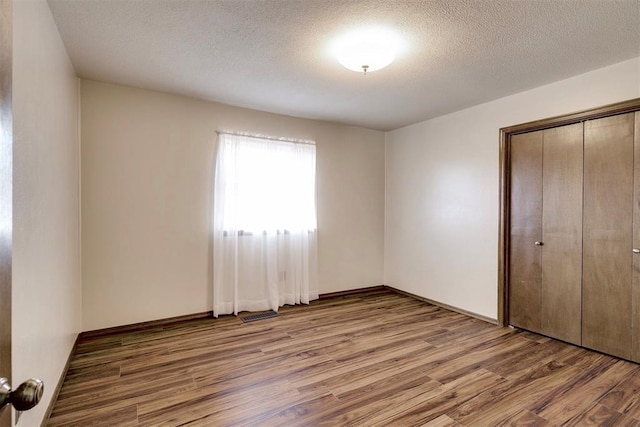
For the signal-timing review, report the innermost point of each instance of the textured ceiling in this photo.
(272, 55)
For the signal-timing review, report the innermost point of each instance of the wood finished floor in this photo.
(373, 359)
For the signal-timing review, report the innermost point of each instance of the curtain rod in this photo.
(272, 138)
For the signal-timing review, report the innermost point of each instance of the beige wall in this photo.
(441, 221)
(146, 181)
(46, 252)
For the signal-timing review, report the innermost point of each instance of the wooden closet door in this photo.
(525, 219)
(635, 298)
(607, 261)
(562, 233)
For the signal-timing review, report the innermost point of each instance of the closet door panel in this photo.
(562, 233)
(635, 299)
(525, 229)
(607, 261)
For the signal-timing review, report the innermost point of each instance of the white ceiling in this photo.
(271, 55)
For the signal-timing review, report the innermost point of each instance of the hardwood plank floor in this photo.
(374, 359)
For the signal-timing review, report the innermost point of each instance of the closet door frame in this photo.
(505, 173)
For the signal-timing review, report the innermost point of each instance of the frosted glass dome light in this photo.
(366, 50)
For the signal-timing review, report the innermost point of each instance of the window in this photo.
(264, 224)
(266, 185)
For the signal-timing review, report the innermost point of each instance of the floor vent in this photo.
(259, 316)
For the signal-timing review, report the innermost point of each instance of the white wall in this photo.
(441, 221)
(147, 161)
(46, 252)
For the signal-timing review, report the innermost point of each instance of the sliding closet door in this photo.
(607, 262)
(525, 274)
(545, 271)
(635, 299)
(562, 233)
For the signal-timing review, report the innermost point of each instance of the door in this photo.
(608, 225)
(28, 394)
(635, 297)
(545, 261)
(562, 176)
(525, 257)
(6, 172)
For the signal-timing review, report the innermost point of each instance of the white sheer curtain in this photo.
(264, 224)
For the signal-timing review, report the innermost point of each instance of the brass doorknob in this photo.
(25, 397)
(635, 251)
(538, 243)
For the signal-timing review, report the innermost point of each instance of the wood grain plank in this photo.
(441, 421)
(488, 407)
(523, 418)
(624, 397)
(414, 411)
(410, 364)
(599, 415)
(577, 397)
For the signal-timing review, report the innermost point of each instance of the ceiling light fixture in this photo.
(366, 50)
